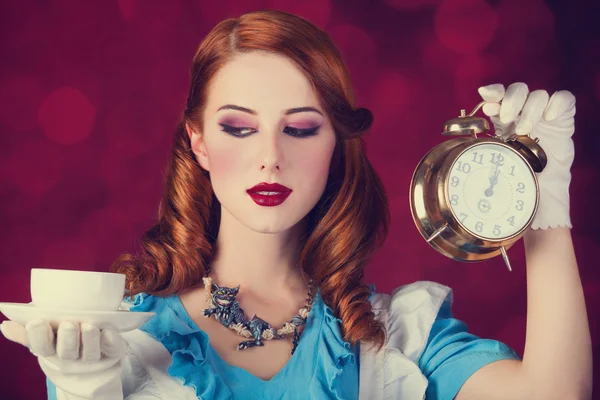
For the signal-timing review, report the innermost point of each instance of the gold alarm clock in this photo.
(473, 196)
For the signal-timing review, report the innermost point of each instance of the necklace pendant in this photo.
(225, 307)
(227, 310)
(256, 326)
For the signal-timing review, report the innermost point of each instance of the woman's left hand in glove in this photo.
(551, 120)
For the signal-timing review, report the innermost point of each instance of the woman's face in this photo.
(263, 123)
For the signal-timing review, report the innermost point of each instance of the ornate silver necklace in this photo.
(226, 309)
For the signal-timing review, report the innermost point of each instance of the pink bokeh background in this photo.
(90, 95)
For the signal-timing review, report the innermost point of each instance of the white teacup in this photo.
(76, 290)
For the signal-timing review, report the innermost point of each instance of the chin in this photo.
(270, 227)
(267, 220)
(271, 224)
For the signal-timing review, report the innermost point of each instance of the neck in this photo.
(261, 263)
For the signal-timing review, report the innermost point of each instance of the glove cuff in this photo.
(553, 224)
(103, 384)
(553, 210)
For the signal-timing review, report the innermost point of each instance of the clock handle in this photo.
(477, 107)
(505, 257)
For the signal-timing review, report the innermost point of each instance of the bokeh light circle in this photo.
(67, 116)
(128, 8)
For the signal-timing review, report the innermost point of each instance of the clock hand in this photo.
(493, 182)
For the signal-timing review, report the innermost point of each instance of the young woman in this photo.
(270, 212)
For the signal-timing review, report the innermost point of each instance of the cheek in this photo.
(224, 162)
(317, 164)
(314, 166)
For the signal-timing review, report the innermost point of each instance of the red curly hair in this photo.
(350, 220)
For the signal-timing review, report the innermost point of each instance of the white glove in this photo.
(552, 121)
(83, 362)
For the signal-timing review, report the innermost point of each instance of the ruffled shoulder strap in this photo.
(413, 309)
(408, 315)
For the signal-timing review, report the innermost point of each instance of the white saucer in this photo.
(120, 320)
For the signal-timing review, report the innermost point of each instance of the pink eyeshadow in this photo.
(237, 122)
(304, 124)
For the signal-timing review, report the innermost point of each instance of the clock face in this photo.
(491, 191)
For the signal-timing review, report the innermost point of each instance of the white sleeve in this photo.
(148, 391)
(137, 383)
(134, 384)
(99, 385)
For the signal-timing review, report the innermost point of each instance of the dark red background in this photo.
(90, 95)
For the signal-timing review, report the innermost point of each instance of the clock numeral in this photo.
(521, 187)
(511, 221)
(454, 181)
(512, 170)
(497, 159)
(463, 217)
(479, 227)
(520, 204)
(454, 199)
(476, 159)
(497, 231)
(464, 167)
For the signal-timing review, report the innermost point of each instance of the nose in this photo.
(271, 152)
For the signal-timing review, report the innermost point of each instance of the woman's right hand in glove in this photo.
(81, 360)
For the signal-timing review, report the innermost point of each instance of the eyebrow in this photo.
(287, 112)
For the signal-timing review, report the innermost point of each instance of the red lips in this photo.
(269, 187)
(269, 194)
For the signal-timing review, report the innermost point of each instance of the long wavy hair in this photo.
(348, 223)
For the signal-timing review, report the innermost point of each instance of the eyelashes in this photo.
(237, 131)
(244, 131)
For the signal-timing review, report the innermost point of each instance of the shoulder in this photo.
(421, 296)
(408, 314)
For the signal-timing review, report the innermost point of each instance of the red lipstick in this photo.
(269, 194)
